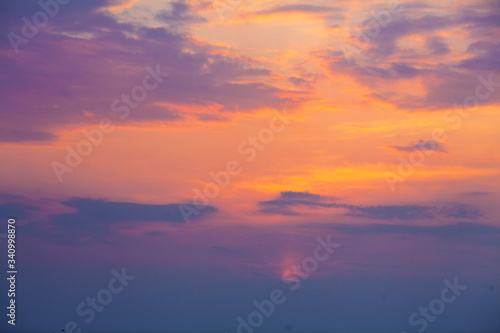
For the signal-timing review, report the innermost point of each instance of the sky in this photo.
(251, 166)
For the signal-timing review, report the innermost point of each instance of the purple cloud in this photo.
(447, 82)
(422, 145)
(72, 72)
(285, 203)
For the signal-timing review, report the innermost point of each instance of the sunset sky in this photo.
(206, 145)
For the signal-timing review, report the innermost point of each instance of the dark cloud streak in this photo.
(287, 201)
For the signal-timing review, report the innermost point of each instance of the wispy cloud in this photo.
(287, 202)
(422, 145)
(78, 88)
